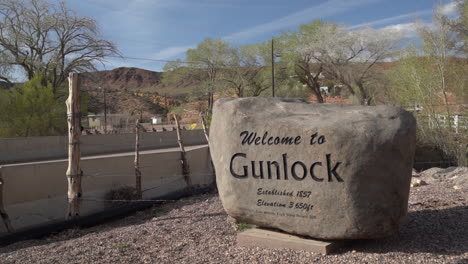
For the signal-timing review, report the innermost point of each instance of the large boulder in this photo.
(320, 170)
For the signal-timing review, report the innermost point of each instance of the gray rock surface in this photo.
(320, 170)
(453, 176)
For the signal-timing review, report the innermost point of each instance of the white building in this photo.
(156, 120)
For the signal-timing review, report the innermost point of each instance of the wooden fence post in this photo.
(137, 160)
(183, 159)
(3, 213)
(74, 172)
(205, 131)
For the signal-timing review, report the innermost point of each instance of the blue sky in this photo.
(165, 29)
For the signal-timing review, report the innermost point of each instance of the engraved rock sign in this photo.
(320, 170)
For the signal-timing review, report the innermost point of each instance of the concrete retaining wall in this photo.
(34, 193)
(14, 150)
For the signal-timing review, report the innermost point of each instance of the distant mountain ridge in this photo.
(121, 78)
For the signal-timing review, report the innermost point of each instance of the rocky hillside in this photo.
(127, 91)
(121, 78)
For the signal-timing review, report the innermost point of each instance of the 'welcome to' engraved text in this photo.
(251, 138)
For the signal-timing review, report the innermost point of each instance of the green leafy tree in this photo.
(321, 50)
(459, 26)
(297, 50)
(288, 87)
(31, 110)
(248, 71)
(426, 78)
(208, 60)
(351, 56)
(175, 73)
(204, 69)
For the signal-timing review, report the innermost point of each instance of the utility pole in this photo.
(272, 67)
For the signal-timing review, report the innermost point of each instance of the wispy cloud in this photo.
(449, 9)
(130, 22)
(323, 10)
(406, 30)
(392, 19)
(170, 52)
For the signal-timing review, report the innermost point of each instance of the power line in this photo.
(177, 61)
(146, 59)
(157, 60)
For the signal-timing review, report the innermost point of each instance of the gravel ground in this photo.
(197, 230)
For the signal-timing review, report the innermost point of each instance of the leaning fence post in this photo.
(183, 159)
(137, 160)
(74, 132)
(205, 131)
(3, 213)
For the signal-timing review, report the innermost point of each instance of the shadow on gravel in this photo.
(442, 231)
(198, 217)
(77, 232)
(156, 213)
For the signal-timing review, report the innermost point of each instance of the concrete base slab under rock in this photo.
(257, 237)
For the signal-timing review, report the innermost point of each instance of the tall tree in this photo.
(319, 50)
(439, 45)
(297, 50)
(49, 39)
(459, 26)
(209, 58)
(247, 72)
(431, 76)
(178, 74)
(350, 56)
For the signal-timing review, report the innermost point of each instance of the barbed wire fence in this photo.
(115, 123)
(109, 120)
(169, 122)
(165, 123)
(150, 125)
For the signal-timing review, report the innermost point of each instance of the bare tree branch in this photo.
(50, 40)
